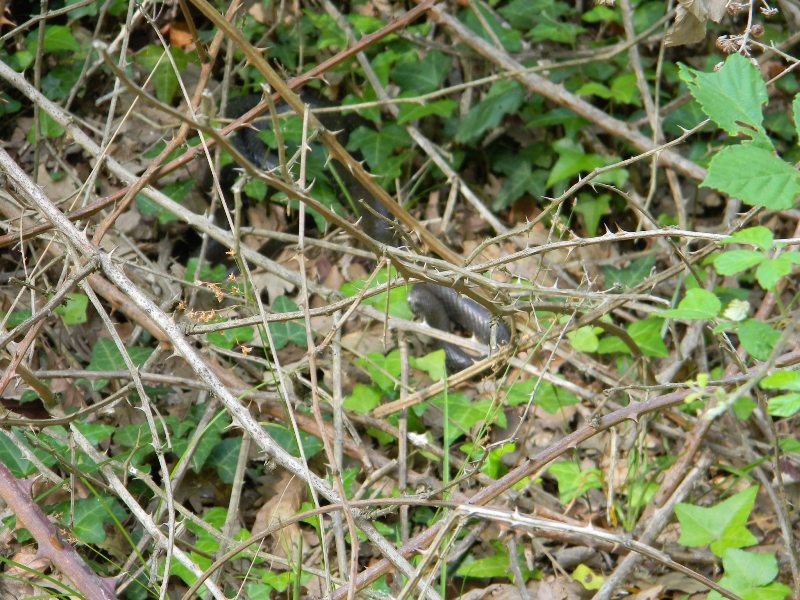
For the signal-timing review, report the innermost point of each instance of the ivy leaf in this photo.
(721, 526)
(509, 38)
(432, 363)
(503, 98)
(572, 482)
(59, 38)
(732, 97)
(363, 399)
(90, 517)
(629, 276)
(285, 438)
(748, 575)
(414, 112)
(73, 312)
(755, 175)
(592, 210)
(224, 457)
(48, 127)
(486, 568)
(573, 159)
(398, 297)
(697, 305)
(758, 338)
(422, 76)
(164, 80)
(463, 412)
(107, 357)
(378, 146)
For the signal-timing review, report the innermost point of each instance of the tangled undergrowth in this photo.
(213, 383)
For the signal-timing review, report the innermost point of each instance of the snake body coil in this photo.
(439, 306)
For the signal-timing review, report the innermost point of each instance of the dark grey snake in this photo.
(439, 306)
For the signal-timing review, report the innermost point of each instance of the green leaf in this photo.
(754, 175)
(107, 357)
(722, 526)
(73, 312)
(736, 261)
(629, 276)
(782, 380)
(646, 334)
(363, 399)
(697, 305)
(731, 97)
(625, 90)
(555, 31)
(464, 413)
(551, 398)
(509, 38)
(422, 76)
(12, 457)
(785, 405)
(224, 457)
(503, 98)
(520, 179)
(312, 445)
(572, 482)
(432, 363)
(771, 271)
(48, 127)
(398, 297)
(791, 445)
(378, 146)
(94, 432)
(758, 338)
(231, 338)
(584, 339)
(414, 112)
(208, 273)
(588, 578)
(164, 79)
(796, 114)
(594, 88)
(573, 160)
(760, 237)
(748, 575)
(90, 517)
(289, 332)
(486, 568)
(177, 191)
(383, 370)
(593, 209)
(59, 38)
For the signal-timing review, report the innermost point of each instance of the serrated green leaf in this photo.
(754, 175)
(732, 97)
(782, 380)
(771, 271)
(721, 526)
(697, 305)
(759, 236)
(784, 405)
(736, 261)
